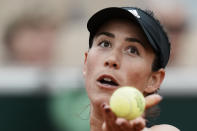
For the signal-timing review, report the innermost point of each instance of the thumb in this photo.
(152, 100)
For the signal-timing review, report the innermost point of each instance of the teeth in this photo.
(107, 79)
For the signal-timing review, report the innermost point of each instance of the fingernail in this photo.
(103, 105)
(120, 121)
(159, 97)
(107, 110)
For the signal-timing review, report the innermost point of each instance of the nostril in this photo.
(111, 64)
(114, 65)
(106, 63)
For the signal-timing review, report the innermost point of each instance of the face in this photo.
(33, 45)
(120, 56)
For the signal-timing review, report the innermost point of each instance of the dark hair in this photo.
(156, 65)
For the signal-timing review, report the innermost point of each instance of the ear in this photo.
(155, 81)
(85, 64)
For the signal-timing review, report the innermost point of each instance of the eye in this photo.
(105, 44)
(133, 50)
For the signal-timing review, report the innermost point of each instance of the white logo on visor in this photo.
(134, 12)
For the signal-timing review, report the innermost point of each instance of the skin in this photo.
(33, 46)
(120, 52)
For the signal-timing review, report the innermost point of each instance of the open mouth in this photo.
(107, 80)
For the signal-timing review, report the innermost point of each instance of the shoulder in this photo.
(164, 127)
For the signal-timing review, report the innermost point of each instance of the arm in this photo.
(164, 127)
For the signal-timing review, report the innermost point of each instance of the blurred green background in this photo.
(69, 111)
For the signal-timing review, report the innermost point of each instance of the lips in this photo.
(107, 81)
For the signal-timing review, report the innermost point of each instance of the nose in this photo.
(112, 61)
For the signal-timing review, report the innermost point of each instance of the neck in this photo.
(96, 120)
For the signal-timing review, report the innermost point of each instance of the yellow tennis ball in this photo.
(127, 102)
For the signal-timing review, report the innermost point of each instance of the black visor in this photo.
(151, 28)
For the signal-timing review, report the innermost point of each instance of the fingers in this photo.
(108, 114)
(123, 124)
(109, 118)
(134, 125)
(152, 100)
(112, 123)
(138, 124)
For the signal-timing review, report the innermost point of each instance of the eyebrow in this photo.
(135, 40)
(106, 34)
(127, 39)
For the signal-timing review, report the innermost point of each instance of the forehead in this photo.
(130, 27)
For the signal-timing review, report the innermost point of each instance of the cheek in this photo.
(91, 69)
(137, 75)
(92, 63)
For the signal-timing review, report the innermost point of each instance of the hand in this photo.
(112, 123)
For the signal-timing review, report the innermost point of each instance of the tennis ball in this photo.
(127, 102)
